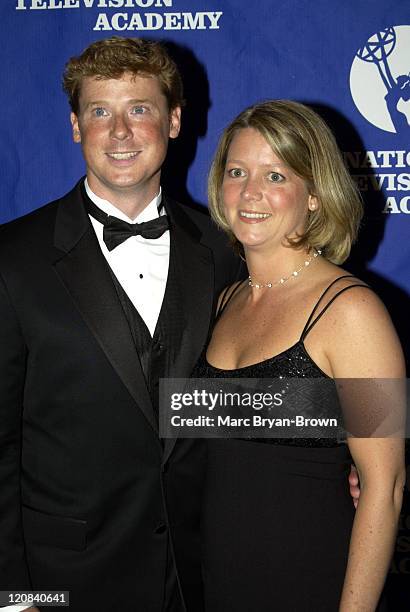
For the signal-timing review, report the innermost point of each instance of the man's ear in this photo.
(174, 122)
(76, 128)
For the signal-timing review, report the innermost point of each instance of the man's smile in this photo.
(124, 155)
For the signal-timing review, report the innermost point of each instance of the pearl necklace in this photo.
(285, 279)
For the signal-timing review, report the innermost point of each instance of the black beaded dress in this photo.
(277, 514)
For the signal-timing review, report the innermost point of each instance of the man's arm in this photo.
(13, 567)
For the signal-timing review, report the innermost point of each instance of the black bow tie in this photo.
(117, 231)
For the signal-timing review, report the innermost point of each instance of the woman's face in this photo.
(264, 200)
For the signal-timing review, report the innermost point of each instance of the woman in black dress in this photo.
(279, 529)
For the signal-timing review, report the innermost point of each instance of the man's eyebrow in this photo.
(130, 101)
(94, 102)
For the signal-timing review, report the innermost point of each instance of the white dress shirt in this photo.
(140, 264)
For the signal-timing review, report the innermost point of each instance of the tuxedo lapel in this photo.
(188, 302)
(194, 277)
(85, 274)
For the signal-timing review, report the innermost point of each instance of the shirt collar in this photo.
(149, 212)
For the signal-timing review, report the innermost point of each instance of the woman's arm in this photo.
(380, 463)
(365, 346)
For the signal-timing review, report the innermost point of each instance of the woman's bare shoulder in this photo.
(361, 338)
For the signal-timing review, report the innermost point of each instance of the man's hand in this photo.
(354, 485)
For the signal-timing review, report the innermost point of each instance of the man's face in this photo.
(123, 126)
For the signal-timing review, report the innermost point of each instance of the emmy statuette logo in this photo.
(380, 79)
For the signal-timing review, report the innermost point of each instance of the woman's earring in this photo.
(312, 203)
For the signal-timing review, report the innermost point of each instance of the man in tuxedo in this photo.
(99, 298)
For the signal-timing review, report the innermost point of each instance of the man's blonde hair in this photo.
(112, 57)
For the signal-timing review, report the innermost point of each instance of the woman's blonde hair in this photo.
(299, 137)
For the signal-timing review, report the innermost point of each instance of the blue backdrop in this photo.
(350, 59)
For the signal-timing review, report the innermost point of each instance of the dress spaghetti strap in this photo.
(311, 322)
(226, 297)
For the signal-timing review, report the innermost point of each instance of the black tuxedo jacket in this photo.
(89, 493)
